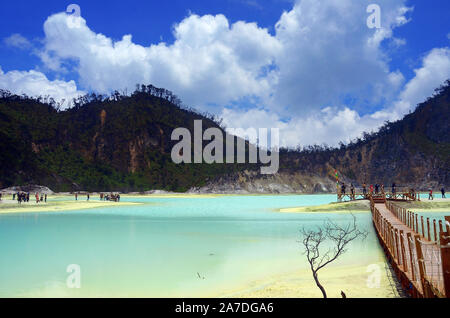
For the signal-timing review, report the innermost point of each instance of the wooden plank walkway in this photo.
(417, 260)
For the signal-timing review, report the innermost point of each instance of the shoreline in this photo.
(58, 206)
(332, 207)
(352, 279)
(60, 202)
(437, 205)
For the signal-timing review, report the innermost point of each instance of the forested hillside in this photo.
(123, 143)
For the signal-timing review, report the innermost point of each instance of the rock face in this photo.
(31, 188)
(252, 182)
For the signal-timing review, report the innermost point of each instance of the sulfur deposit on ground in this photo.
(350, 207)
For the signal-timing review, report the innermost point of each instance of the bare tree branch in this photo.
(339, 236)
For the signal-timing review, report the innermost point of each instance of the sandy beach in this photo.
(353, 280)
(334, 207)
(436, 205)
(10, 206)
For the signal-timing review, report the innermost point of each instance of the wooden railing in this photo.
(358, 194)
(428, 228)
(418, 251)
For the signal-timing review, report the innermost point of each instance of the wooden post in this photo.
(396, 246)
(402, 247)
(428, 229)
(440, 227)
(434, 228)
(385, 231)
(417, 224)
(391, 239)
(423, 230)
(408, 236)
(445, 257)
(421, 263)
(408, 218)
(411, 221)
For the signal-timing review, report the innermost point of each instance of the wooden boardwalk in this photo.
(418, 251)
(357, 194)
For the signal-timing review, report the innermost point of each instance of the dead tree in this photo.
(330, 233)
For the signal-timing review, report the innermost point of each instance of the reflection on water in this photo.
(177, 247)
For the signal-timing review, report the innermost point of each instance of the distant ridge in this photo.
(122, 143)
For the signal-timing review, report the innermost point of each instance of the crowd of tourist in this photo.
(379, 188)
(103, 197)
(25, 197)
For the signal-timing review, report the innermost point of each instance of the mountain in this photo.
(413, 152)
(123, 143)
(116, 143)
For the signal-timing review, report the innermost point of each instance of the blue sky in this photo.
(147, 21)
(312, 80)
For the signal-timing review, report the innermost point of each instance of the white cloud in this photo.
(328, 126)
(210, 61)
(34, 83)
(435, 70)
(331, 125)
(329, 52)
(321, 53)
(17, 41)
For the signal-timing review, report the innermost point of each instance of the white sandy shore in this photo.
(436, 205)
(9, 206)
(356, 282)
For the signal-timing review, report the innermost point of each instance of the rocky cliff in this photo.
(123, 143)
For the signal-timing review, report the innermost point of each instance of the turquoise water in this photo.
(437, 216)
(160, 249)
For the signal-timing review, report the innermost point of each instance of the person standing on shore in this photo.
(88, 197)
(28, 196)
(45, 198)
(14, 196)
(0, 196)
(76, 196)
(371, 189)
(443, 193)
(343, 189)
(364, 189)
(430, 195)
(37, 197)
